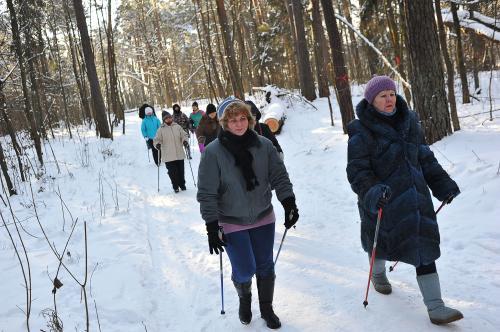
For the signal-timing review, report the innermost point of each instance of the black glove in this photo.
(158, 146)
(452, 196)
(215, 243)
(291, 211)
(382, 201)
(186, 144)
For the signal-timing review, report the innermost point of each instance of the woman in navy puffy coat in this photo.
(387, 153)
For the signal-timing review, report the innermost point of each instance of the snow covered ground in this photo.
(149, 266)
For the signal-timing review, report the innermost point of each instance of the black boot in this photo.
(265, 286)
(245, 295)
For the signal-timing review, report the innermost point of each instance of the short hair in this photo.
(234, 109)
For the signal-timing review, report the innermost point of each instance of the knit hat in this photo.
(253, 108)
(211, 108)
(377, 84)
(176, 106)
(195, 104)
(148, 110)
(225, 103)
(165, 114)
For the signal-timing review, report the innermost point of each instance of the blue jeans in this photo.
(251, 252)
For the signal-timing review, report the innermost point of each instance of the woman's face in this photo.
(238, 124)
(385, 101)
(212, 115)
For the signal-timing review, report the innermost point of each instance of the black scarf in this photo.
(239, 147)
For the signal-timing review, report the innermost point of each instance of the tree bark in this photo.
(235, 76)
(460, 56)
(450, 72)
(306, 79)
(428, 78)
(319, 45)
(341, 77)
(16, 36)
(95, 88)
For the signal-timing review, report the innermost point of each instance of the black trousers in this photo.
(153, 151)
(176, 173)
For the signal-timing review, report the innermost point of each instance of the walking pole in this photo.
(222, 312)
(374, 252)
(391, 268)
(281, 244)
(189, 161)
(159, 162)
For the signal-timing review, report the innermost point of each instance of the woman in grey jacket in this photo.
(236, 175)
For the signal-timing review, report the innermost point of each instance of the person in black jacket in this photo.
(391, 169)
(263, 129)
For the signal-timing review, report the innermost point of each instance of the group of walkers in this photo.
(390, 168)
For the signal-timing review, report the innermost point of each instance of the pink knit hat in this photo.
(377, 84)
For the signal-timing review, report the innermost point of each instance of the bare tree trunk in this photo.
(11, 132)
(205, 24)
(428, 78)
(450, 73)
(28, 21)
(341, 77)
(113, 75)
(219, 42)
(95, 88)
(319, 45)
(368, 24)
(346, 4)
(293, 65)
(204, 53)
(59, 71)
(396, 44)
(82, 90)
(306, 79)
(5, 171)
(235, 77)
(460, 56)
(27, 104)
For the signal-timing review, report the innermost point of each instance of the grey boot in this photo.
(245, 294)
(379, 278)
(431, 291)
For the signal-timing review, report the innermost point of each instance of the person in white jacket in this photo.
(170, 140)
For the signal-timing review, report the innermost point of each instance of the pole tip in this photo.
(391, 268)
(365, 303)
(222, 312)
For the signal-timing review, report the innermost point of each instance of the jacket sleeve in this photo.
(159, 137)
(269, 135)
(200, 130)
(143, 129)
(359, 171)
(436, 177)
(208, 186)
(184, 135)
(278, 176)
(158, 123)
